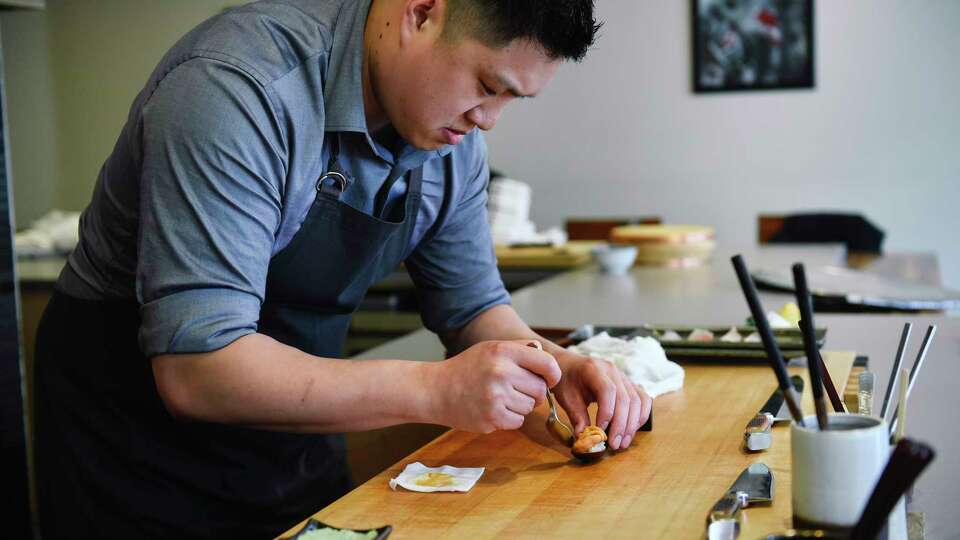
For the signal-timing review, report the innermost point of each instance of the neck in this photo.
(374, 34)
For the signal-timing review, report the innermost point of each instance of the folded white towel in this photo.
(641, 358)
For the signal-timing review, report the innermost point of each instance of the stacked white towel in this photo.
(56, 233)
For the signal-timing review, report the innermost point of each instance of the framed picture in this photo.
(752, 44)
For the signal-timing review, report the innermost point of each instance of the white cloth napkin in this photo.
(641, 358)
(463, 479)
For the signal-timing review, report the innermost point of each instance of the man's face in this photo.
(436, 90)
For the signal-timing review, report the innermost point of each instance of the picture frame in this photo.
(742, 45)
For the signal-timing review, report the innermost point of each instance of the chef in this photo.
(283, 157)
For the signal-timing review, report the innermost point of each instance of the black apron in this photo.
(112, 462)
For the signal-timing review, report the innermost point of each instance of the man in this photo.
(283, 157)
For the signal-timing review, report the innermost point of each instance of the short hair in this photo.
(564, 28)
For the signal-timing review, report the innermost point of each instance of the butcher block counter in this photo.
(662, 487)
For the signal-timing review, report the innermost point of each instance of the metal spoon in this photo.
(555, 427)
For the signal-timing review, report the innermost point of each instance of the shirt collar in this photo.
(343, 94)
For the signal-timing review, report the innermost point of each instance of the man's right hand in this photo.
(492, 385)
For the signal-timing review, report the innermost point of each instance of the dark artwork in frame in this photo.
(752, 44)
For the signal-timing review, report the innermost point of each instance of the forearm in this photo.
(497, 323)
(259, 382)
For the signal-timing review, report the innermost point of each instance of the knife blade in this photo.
(782, 413)
(753, 486)
(756, 435)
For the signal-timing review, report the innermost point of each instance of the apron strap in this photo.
(414, 181)
(334, 181)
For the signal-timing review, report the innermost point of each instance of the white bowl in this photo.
(615, 259)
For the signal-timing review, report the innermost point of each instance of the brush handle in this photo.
(895, 373)
(766, 335)
(921, 356)
(907, 461)
(805, 303)
(819, 377)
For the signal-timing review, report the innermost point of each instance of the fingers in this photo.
(529, 384)
(647, 402)
(636, 411)
(621, 415)
(605, 391)
(519, 403)
(532, 359)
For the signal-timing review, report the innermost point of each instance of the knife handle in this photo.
(727, 508)
(756, 436)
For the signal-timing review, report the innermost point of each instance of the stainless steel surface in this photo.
(754, 485)
(857, 287)
(710, 295)
(756, 436)
(705, 295)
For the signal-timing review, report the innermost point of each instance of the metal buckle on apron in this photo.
(336, 186)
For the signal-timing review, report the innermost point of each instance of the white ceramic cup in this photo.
(835, 471)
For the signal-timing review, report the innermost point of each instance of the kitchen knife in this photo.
(756, 436)
(753, 486)
(776, 406)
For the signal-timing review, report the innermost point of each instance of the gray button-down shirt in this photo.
(215, 171)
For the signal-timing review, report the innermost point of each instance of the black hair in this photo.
(564, 28)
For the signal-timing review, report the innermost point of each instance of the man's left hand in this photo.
(622, 405)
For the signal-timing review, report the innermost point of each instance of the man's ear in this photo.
(421, 16)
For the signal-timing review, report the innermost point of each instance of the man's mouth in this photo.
(452, 136)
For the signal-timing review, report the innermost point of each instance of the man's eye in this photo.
(487, 90)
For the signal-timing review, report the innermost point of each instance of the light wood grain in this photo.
(662, 487)
(570, 255)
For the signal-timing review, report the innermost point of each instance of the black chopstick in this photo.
(907, 461)
(895, 374)
(809, 334)
(766, 335)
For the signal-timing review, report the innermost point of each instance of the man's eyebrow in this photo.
(511, 89)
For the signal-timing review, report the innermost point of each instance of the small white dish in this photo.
(615, 259)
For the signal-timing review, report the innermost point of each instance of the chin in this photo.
(427, 144)
(421, 139)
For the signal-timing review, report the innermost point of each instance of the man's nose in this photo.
(485, 116)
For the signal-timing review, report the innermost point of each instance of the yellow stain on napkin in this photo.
(434, 479)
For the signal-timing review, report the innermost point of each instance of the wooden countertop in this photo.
(662, 487)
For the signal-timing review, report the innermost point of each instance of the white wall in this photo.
(623, 134)
(30, 103)
(72, 71)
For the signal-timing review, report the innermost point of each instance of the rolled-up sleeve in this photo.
(210, 207)
(455, 270)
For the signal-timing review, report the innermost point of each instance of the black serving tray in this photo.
(789, 340)
(313, 524)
